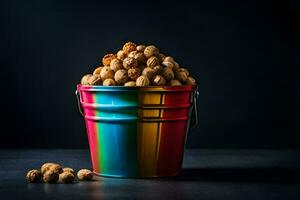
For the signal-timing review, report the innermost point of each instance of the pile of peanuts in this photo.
(53, 172)
(138, 65)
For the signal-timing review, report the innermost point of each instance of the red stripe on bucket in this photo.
(92, 131)
(172, 134)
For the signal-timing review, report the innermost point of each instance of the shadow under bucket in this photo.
(136, 132)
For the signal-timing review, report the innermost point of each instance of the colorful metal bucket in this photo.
(136, 132)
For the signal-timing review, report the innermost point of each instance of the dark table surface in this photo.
(206, 174)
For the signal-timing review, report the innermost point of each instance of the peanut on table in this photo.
(53, 172)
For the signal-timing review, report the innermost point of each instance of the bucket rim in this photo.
(136, 88)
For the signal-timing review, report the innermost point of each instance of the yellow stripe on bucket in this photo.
(148, 139)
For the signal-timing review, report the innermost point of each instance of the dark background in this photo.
(242, 53)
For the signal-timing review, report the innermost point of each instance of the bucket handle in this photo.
(195, 104)
(78, 102)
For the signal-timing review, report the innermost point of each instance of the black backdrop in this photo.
(243, 54)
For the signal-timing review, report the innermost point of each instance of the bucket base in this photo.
(133, 177)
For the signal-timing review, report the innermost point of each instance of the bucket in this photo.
(136, 132)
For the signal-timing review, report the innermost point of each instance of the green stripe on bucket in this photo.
(117, 138)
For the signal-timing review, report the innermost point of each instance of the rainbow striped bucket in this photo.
(136, 132)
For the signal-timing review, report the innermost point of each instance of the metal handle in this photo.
(78, 102)
(196, 95)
